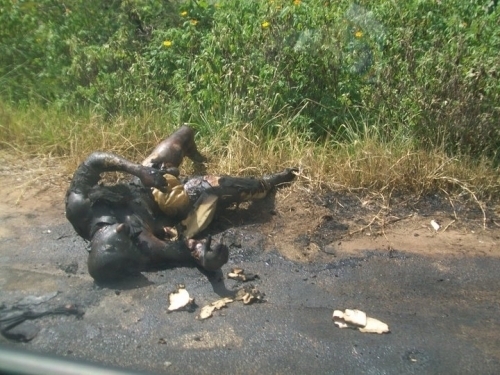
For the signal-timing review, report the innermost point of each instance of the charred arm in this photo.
(100, 162)
(161, 251)
(183, 251)
(88, 174)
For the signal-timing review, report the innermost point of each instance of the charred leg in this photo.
(237, 189)
(281, 178)
(171, 151)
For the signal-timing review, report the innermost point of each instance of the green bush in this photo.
(440, 73)
(425, 70)
(252, 61)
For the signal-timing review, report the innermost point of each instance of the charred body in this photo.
(153, 221)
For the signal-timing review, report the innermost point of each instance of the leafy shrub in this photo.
(425, 70)
(440, 74)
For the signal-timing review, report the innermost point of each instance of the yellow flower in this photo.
(184, 14)
(296, 2)
(265, 24)
(167, 43)
(194, 22)
(358, 34)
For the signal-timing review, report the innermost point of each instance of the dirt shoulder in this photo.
(302, 225)
(345, 224)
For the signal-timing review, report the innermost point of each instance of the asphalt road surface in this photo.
(443, 311)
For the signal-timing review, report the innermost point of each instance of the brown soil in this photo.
(302, 225)
(344, 224)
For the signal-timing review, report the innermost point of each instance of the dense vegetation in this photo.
(420, 73)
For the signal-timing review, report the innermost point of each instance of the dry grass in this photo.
(370, 165)
(363, 164)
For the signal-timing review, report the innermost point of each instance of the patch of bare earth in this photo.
(309, 226)
(32, 193)
(302, 225)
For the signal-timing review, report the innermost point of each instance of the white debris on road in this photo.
(179, 299)
(357, 319)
